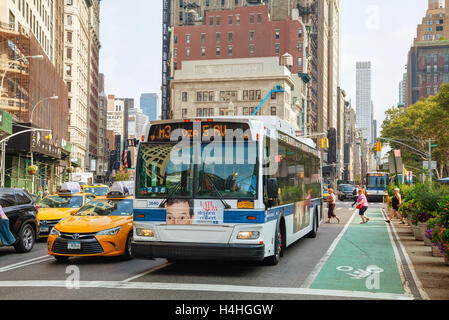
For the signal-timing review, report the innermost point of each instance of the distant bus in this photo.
(224, 189)
(376, 186)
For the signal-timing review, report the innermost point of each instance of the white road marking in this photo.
(326, 256)
(147, 272)
(410, 264)
(25, 263)
(207, 288)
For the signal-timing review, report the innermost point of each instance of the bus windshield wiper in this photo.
(220, 196)
(174, 190)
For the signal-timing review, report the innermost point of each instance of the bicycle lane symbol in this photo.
(371, 275)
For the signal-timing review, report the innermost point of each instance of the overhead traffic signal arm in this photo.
(278, 89)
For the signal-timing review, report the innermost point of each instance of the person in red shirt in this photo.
(362, 205)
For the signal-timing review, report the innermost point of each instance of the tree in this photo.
(427, 119)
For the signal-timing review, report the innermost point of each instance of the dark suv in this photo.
(22, 214)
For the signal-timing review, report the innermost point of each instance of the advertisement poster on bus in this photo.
(208, 212)
(301, 215)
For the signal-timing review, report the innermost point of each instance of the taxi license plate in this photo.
(74, 245)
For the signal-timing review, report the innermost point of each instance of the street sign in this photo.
(426, 165)
(434, 145)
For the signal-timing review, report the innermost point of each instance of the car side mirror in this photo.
(273, 188)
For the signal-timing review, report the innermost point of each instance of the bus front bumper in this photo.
(197, 251)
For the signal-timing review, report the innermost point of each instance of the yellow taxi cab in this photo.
(58, 206)
(103, 227)
(98, 190)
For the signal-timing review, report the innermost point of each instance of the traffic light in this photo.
(326, 140)
(378, 147)
(331, 145)
(322, 143)
(49, 137)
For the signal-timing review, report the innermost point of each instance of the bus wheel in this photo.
(279, 249)
(312, 234)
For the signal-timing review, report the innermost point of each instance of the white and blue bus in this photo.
(376, 186)
(224, 189)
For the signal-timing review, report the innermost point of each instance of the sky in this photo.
(380, 31)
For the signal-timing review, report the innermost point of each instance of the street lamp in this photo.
(37, 57)
(49, 137)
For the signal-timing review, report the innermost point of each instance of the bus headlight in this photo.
(248, 235)
(141, 232)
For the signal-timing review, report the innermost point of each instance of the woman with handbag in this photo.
(396, 202)
(362, 205)
(332, 201)
(6, 237)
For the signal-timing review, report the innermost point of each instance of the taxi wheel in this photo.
(61, 259)
(128, 253)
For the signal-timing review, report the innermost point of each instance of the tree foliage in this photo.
(427, 119)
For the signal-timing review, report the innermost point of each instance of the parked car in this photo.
(21, 211)
(346, 192)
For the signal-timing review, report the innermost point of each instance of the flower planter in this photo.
(418, 231)
(446, 261)
(436, 252)
(427, 242)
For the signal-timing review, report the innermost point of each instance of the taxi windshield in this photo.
(61, 202)
(98, 191)
(107, 207)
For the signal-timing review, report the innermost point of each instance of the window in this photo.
(222, 3)
(251, 49)
(251, 18)
(236, 2)
(69, 20)
(229, 36)
(273, 96)
(218, 20)
(203, 51)
(211, 96)
(273, 111)
(229, 50)
(68, 70)
(207, 3)
(199, 96)
(199, 112)
(187, 38)
(217, 51)
(277, 34)
(205, 96)
(211, 21)
(175, 38)
(69, 53)
(69, 86)
(203, 38)
(237, 19)
(251, 95)
(22, 198)
(230, 20)
(187, 52)
(218, 37)
(299, 33)
(258, 95)
(259, 18)
(184, 97)
(300, 62)
(175, 53)
(277, 47)
(184, 113)
(251, 35)
(69, 2)
(69, 37)
(7, 199)
(245, 95)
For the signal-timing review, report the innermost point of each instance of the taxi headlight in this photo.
(55, 232)
(248, 235)
(141, 232)
(109, 232)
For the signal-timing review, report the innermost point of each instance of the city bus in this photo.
(376, 186)
(240, 188)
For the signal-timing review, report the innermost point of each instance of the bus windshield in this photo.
(220, 171)
(378, 181)
(229, 171)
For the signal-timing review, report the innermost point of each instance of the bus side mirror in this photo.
(273, 188)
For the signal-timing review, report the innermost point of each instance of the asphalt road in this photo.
(38, 276)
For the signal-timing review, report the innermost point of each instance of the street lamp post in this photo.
(31, 123)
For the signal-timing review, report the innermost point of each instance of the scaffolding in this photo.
(14, 69)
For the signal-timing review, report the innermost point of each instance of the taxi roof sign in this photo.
(70, 188)
(122, 188)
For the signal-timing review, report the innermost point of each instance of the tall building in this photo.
(428, 58)
(32, 94)
(149, 103)
(318, 51)
(402, 90)
(81, 75)
(364, 106)
(103, 145)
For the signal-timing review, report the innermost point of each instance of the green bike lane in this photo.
(363, 260)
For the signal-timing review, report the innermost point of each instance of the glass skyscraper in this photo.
(149, 103)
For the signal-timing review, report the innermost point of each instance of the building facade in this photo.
(428, 58)
(239, 90)
(364, 106)
(150, 106)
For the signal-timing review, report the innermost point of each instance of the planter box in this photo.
(418, 231)
(436, 252)
(427, 242)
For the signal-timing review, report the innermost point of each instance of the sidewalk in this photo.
(431, 271)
